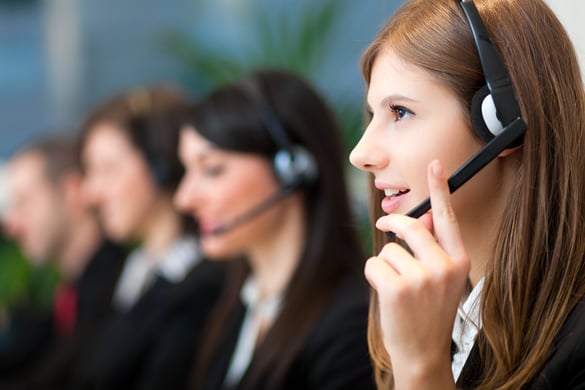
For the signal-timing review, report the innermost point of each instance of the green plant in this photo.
(21, 283)
(278, 39)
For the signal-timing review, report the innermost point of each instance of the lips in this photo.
(393, 198)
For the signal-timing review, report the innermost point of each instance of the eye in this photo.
(400, 112)
(213, 170)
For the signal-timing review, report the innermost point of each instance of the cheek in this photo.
(128, 200)
(236, 200)
(131, 187)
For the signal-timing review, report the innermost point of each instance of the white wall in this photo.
(571, 14)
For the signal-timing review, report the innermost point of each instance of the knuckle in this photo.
(389, 251)
(370, 268)
(447, 213)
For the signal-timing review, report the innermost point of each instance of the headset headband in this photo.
(495, 73)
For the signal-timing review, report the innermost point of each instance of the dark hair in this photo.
(231, 119)
(151, 117)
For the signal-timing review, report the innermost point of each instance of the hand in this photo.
(419, 291)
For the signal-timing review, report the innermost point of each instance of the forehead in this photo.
(392, 75)
(28, 165)
(191, 143)
(26, 174)
(194, 148)
(105, 141)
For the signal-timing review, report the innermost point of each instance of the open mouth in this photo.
(395, 193)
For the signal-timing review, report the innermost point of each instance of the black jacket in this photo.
(564, 367)
(152, 345)
(334, 356)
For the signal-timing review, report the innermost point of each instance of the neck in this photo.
(480, 238)
(274, 260)
(161, 229)
(83, 240)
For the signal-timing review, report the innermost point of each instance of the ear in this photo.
(510, 151)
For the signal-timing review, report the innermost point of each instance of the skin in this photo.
(413, 144)
(51, 221)
(120, 185)
(36, 216)
(220, 186)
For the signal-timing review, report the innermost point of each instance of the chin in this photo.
(116, 233)
(215, 250)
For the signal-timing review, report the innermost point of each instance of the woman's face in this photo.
(118, 182)
(416, 119)
(220, 187)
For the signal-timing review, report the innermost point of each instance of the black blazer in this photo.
(152, 345)
(334, 356)
(564, 367)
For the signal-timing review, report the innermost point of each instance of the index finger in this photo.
(446, 227)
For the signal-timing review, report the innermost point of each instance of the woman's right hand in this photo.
(419, 290)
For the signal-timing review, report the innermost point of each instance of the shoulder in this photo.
(565, 367)
(337, 349)
(205, 279)
(349, 300)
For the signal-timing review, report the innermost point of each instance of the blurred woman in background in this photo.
(166, 289)
(265, 181)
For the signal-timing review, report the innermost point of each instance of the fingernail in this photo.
(436, 169)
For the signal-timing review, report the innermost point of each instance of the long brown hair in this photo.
(537, 271)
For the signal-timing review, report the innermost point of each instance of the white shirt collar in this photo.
(179, 259)
(266, 307)
(260, 313)
(465, 328)
(140, 270)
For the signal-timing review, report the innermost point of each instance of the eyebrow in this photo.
(393, 98)
(200, 155)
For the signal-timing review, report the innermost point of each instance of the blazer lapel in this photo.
(472, 370)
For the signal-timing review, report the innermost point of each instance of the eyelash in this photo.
(213, 171)
(397, 109)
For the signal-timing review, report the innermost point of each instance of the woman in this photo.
(486, 291)
(265, 180)
(165, 290)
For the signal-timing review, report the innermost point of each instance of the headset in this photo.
(294, 166)
(495, 112)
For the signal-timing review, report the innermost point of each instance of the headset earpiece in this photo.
(484, 116)
(295, 167)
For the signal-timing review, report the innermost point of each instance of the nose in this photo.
(185, 194)
(369, 154)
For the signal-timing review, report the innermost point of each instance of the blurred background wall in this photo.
(58, 58)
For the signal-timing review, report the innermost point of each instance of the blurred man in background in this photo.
(50, 219)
